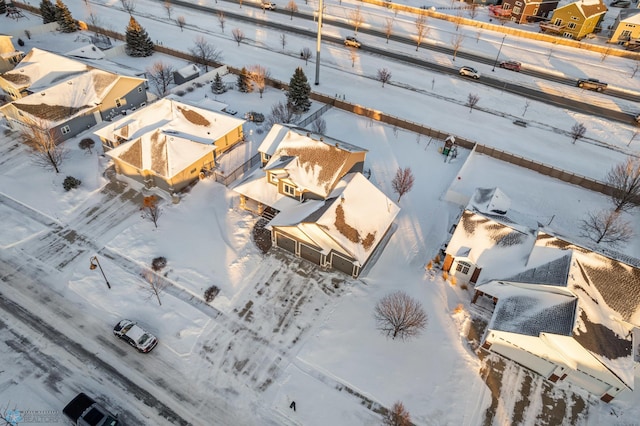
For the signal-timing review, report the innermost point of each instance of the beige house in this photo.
(626, 28)
(561, 310)
(169, 144)
(9, 56)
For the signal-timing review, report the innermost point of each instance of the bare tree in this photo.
(160, 75)
(421, 30)
(356, 18)
(281, 112)
(240, 1)
(306, 54)
(604, 55)
(238, 35)
(388, 28)
(181, 21)
(577, 131)
(527, 104)
(259, 76)
(606, 227)
(458, 18)
(129, 6)
(353, 55)
(221, 20)
(283, 40)
(397, 416)
(472, 101)
(154, 279)
(319, 126)
(44, 146)
(473, 10)
(402, 182)
(399, 316)
(168, 7)
(151, 209)
(456, 43)
(384, 75)
(205, 53)
(292, 7)
(635, 68)
(624, 178)
(86, 144)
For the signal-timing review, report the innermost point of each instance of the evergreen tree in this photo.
(299, 90)
(64, 18)
(139, 43)
(3, 7)
(48, 11)
(244, 81)
(218, 86)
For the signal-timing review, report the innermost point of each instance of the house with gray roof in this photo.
(565, 312)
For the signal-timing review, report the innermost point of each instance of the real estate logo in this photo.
(19, 417)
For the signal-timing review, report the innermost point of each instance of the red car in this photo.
(511, 65)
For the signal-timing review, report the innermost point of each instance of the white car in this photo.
(469, 72)
(352, 42)
(135, 335)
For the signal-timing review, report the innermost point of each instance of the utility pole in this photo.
(499, 50)
(320, 13)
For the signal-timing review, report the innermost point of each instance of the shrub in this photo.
(190, 89)
(87, 144)
(70, 183)
(211, 293)
(180, 93)
(20, 42)
(158, 263)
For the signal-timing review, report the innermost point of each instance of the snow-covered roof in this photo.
(172, 118)
(352, 223)
(189, 70)
(313, 163)
(165, 155)
(629, 16)
(89, 51)
(60, 102)
(588, 8)
(40, 69)
(490, 200)
(499, 249)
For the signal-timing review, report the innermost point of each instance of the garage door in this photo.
(341, 264)
(286, 243)
(310, 254)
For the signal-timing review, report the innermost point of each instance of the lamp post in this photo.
(499, 50)
(319, 40)
(95, 264)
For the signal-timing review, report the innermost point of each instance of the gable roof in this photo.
(162, 154)
(172, 118)
(314, 164)
(352, 222)
(587, 8)
(40, 69)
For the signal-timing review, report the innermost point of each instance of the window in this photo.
(506, 6)
(139, 89)
(289, 190)
(463, 267)
(273, 178)
(518, 3)
(118, 103)
(516, 10)
(572, 25)
(65, 130)
(557, 22)
(575, 18)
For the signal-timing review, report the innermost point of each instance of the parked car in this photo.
(511, 65)
(469, 72)
(268, 5)
(352, 42)
(637, 118)
(592, 84)
(620, 3)
(135, 335)
(85, 411)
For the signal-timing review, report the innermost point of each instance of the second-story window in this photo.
(463, 267)
(289, 190)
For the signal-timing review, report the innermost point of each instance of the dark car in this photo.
(511, 65)
(135, 335)
(591, 84)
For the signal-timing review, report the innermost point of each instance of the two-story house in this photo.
(321, 207)
(576, 20)
(626, 28)
(525, 11)
(561, 310)
(168, 144)
(9, 55)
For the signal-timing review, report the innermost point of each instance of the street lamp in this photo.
(95, 264)
(499, 50)
(319, 40)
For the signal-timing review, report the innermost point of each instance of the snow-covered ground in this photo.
(255, 343)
